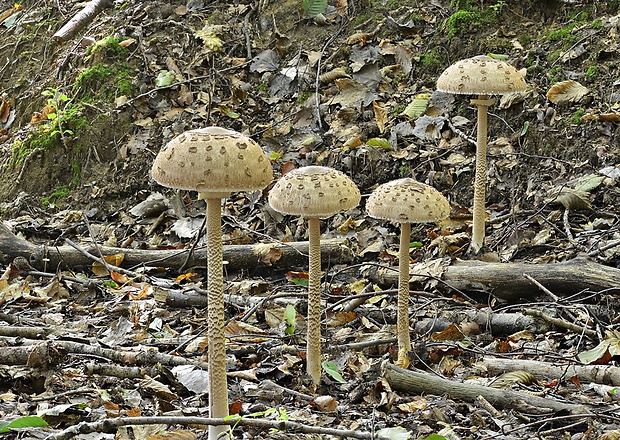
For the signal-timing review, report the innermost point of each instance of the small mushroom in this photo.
(482, 76)
(215, 162)
(314, 192)
(406, 201)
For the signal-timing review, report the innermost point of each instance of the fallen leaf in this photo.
(324, 403)
(566, 91)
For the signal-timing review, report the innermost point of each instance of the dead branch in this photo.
(111, 425)
(507, 281)
(146, 358)
(44, 356)
(81, 19)
(417, 382)
(601, 374)
(246, 257)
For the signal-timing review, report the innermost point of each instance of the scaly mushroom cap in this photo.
(407, 201)
(481, 75)
(213, 161)
(314, 191)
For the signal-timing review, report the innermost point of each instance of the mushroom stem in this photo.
(480, 179)
(218, 388)
(402, 320)
(313, 338)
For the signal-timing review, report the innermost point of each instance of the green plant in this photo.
(592, 72)
(280, 414)
(497, 7)
(575, 118)
(430, 59)
(104, 82)
(107, 49)
(462, 20)
(404, 171)
(303, 97)
(59, 193)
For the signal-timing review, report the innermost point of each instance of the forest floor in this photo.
(536, 316)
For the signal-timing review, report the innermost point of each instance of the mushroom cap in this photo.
(213, 161)
(407, 201)
(481, 75)
(314, 191)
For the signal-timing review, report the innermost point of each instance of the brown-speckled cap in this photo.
(407, 201)
(314, 191)
(481, 75)
(213, 161)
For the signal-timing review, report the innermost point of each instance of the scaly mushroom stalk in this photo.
(402, 320)
(406, 201)
(314, 192)
(313, 342)
(218, 389)
(480, 178)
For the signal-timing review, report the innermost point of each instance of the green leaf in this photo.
(275, 155)
(435, 437)
(23, 422)
(312, 8)
(526, 125)
(415, 244)
(397, 433)
(417, 107)
(51, 116)
(498, 56)
(379, 142)
(332, 369)
(164, 78)
(289, 317)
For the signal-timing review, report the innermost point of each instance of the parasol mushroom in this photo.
(314, 192)
(482, 76)
(215, 162)
(406, 201)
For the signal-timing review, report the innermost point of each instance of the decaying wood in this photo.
(111, 426)
(140, 358)
(418, 382)
(507, 281)
(496, 324)
(601, 374)
(41, 355)
(81, 19)
(248, 257)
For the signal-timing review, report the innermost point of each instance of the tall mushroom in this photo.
(482, 76)
(215, 162)
(406, 201)
(314, 192)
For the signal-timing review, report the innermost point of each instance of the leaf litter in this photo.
(379, 119)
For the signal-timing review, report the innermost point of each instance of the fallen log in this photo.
(601, 374)
(417, 382)
(507, 280)
(80, 20)
(247, 257)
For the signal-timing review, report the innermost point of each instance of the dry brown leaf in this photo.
(5, 110)
(173, 435)
(566, 91)
(451, 333)
(267, 254)
(506, 380)
(333, 75)
(381, 115)
(324, 403)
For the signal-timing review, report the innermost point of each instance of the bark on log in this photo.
(417, 383)
(506, 280)
(287, 255)
(601, 374)
(81, 19)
